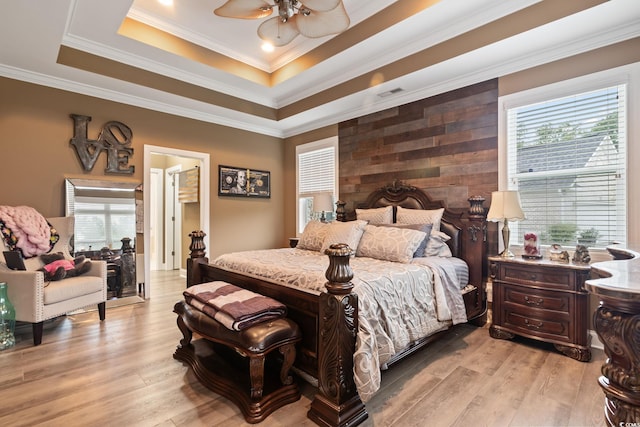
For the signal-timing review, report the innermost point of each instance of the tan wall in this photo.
(36, 158)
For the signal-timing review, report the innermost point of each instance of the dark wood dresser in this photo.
(543, 300)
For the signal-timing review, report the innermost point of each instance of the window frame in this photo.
(331, 142)
(629, 75)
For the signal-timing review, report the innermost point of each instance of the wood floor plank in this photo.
(441, 405)
(122, 372)
(503, 394)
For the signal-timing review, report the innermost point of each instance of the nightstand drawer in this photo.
(549, 278)
(526, 323)
(536, 298)
(542, 300)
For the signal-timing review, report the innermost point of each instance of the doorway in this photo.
(165, 217)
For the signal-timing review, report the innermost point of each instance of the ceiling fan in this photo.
(311, 18)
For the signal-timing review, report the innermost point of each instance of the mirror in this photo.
(105, 229)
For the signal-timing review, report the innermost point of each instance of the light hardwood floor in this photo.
(121, 372)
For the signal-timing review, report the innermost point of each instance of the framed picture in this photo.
(243, 182)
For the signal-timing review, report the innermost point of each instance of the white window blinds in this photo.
(316, 171)
(566, 158)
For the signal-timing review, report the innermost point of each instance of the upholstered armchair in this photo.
(37, 300)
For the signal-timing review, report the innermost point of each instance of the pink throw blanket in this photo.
(234, 307)
(30, 228)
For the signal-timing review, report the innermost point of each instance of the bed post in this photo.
(474, 244)
(197, 256)
(337, 402)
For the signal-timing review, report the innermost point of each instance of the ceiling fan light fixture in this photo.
(286, 9)
(321, 5)
(320, 24)
(244, 9)
(278, 33)
(311, 18)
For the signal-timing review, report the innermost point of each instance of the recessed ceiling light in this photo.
(166, 2)
(267, 47)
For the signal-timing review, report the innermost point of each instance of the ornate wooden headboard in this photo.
(467, 231)
(410, 197)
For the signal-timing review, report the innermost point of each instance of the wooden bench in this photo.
(215, 362)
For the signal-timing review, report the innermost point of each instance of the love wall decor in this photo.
(114, 138)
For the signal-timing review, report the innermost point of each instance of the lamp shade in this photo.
(505, 205)
(323, 202)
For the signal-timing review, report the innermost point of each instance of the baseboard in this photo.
(595, 341)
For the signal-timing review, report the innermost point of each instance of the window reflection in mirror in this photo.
(105, 228)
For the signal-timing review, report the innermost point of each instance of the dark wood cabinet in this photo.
(541, 300)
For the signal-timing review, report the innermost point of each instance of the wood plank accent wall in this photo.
(446, 144)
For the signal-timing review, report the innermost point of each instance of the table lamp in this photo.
(323, 202)
(505, 206)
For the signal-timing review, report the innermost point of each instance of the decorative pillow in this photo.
(425, 228)
(377, 215)
(390, 243)
(344, 232)
(437, 245)
(313, 236)
(420, 216)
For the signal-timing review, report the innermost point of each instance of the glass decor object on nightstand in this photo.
(531, 246)
(7, 319)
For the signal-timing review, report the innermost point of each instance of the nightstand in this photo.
(542, 300)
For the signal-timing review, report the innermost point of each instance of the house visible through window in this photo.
(316, 173)
(567, 159)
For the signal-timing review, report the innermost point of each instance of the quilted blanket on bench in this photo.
(234, 307)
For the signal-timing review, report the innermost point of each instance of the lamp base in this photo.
(505, 239)
(507, 254)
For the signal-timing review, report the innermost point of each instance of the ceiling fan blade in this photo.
(320, 24)
(320, 5)
(244, 9)
(278, 33)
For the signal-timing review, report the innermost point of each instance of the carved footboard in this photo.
(329, 324)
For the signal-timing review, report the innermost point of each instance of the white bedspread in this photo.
(397, 303)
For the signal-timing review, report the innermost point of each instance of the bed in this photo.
(327, 295)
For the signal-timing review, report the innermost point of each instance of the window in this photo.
(316, 165)
(101, 222)
(566, 156)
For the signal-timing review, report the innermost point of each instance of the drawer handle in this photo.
(531, 325)
(533, 277)
(537, 302)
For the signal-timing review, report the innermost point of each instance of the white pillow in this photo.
(437, 245)
(420, 216)
(376, 215)
(348, 232)
(425, 228)
(390, 243)
(313, 236)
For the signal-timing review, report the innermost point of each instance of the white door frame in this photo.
(204, 198)
(173, 245)
(158, 210)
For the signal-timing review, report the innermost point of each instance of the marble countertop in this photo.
(619, 278)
